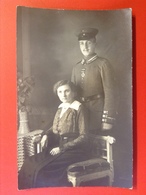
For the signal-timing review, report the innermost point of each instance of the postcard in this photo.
(74, 88)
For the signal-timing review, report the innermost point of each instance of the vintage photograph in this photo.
(74, 98)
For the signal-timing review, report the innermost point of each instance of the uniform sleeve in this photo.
(110, 93)
(81, 124)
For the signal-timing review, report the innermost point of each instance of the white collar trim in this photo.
(75, 105)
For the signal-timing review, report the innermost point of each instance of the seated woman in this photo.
(66, 143)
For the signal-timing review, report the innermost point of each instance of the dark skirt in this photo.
(45, 170)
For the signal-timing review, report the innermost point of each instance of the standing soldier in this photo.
(95, 80)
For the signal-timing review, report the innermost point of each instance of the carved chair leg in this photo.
(78, 183)
(110, 180)
(75, 182)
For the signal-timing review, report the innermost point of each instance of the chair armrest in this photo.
(35, 135)
(36, 139)
(111, 140)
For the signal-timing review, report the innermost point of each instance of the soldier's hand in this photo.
(106, 126)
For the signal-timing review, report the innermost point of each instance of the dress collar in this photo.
(75, 105)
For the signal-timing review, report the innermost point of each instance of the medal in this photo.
(83, 73)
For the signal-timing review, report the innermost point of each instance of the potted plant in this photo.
(24, 87)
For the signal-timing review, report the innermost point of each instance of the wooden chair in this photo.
(100, 164)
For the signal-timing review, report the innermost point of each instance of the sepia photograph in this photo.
(74, 98)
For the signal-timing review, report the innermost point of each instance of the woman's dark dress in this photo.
(69, 133)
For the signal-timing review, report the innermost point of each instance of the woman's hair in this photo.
(64, 82)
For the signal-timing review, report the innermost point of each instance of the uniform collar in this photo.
(89, 60)
(75, 105)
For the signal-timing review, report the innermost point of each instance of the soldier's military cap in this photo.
(87, 33)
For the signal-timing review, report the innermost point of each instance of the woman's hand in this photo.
(44, 141)
(55, 151)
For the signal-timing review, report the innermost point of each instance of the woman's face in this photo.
(65, 94)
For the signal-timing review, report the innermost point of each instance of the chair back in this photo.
(101, 147)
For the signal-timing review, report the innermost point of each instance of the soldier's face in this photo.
(65, 94)
(87, 47)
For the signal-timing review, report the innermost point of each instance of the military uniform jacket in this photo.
(95, 78)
